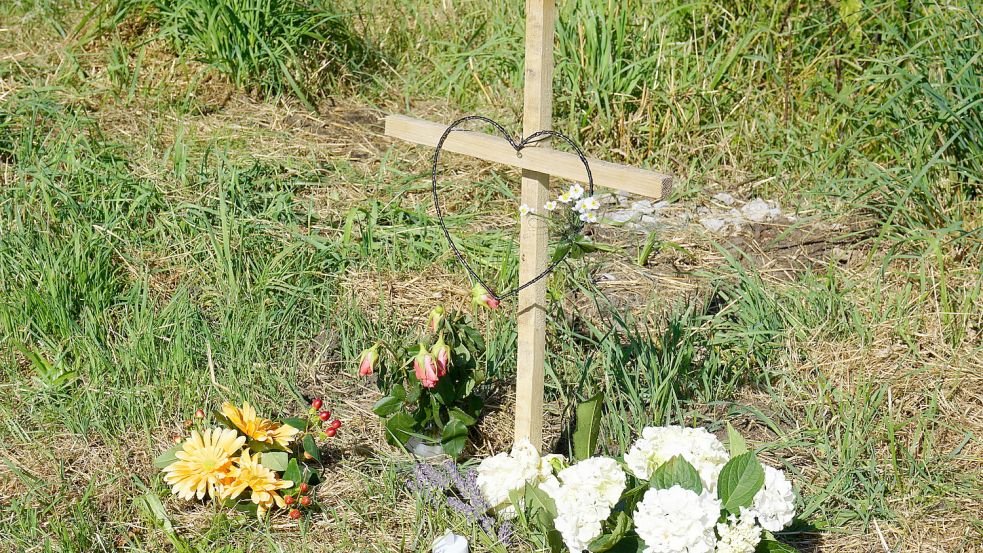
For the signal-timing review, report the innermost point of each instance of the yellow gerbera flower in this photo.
(203, 463)
(248, 473)
(257, 428)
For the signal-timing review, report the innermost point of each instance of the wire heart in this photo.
(518, 145)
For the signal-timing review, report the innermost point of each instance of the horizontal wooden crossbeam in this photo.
(552, 162)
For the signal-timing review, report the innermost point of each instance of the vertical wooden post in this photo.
(533, 241)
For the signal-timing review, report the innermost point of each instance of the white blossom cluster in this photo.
(677, 521)
(507, 472)
(673, 520)
(584, 494)
(659, 444)
(585, 207)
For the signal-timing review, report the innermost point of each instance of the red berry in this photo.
(304, 487)
(305, 501)
(289, 500)
(330, 432)
(336, 424)
(324, 415)
(317, 403)
(294, 514)
(200, 414)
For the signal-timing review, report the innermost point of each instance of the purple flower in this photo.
(462, 494)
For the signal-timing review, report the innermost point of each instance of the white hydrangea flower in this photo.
(588, 217)
(550, 205)
(575, 191)
(584, 494)
(738, 534)
(526, 210)
(659, 444)
(677, 520)
(601, 476)
(774, 504)
(579, 522)
(503, 473)
(497, 476)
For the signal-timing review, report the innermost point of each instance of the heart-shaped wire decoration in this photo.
(518, 145)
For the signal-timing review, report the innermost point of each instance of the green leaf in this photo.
(735, 442)
(391, 403)
(310, 447)
(275, 460)
(467, 419)
(541, 507)
(630, 544)
(739, 480)
(293, 472)
(611, 538)
(454, 437)
(399, 428)
(771, 546)
(588, 427)
(168, 457)
(554, 540)
(676, 472)
(296, 422)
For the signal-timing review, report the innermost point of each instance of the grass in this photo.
(176, 227)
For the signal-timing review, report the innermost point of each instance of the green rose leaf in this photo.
(460, 415)
(771, 546)
(310, 448)
(739, 480)
(391, 403)
(454, 437)
(165, 459)
(735, 442)
(275, 460)
(399, 428)
(614, 535)
(676, 472)
(588, 427)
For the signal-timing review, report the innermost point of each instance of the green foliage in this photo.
(588, 428)
(676, 472)
(740, 479)
(444, 411)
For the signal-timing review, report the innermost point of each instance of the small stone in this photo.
(644, 206)
(622, 216)
(724, 198)
(713, 224)
(759, 211)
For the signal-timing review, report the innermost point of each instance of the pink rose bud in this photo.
(425, 367)
(367, 360)
(482, 297)
(442, 356)
(435, 317)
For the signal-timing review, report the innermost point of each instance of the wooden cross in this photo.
(538, 164)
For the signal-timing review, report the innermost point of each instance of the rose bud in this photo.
(481, 297)
(425, 367)
(442, 356)
(367, 360)
(317, 403)
(435, 317)
(199, 414)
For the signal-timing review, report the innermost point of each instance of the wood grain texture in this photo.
(563, 165)
(537, 114)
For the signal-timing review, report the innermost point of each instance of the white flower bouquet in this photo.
(677, 490)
